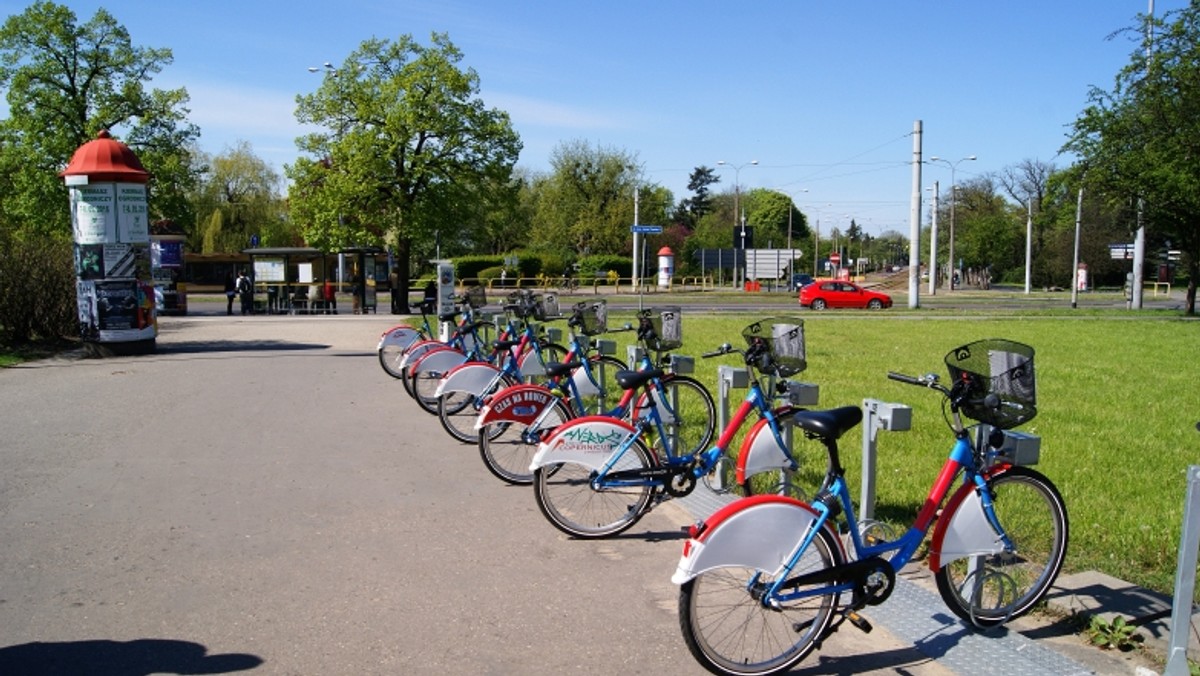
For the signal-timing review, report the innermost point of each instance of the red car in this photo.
(827, 293)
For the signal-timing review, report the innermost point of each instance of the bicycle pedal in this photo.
(859, 621)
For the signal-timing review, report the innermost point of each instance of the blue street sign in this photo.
(646, 229)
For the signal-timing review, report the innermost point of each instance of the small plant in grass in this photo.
(1115, 635)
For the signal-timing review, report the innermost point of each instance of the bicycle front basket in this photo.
(783, 339)
(476, 297)
(666, 329)
(592, 317)
(998, 367)
(547, 307)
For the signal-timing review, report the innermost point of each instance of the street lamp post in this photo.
(953, 201)
(737, 171)
(933, 243)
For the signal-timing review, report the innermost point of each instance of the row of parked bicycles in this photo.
(769, 575)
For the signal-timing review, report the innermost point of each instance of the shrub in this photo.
(37, 290)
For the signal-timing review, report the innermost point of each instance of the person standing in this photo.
(330, 296)
(246, 291)
(230, 292)
(394, 286)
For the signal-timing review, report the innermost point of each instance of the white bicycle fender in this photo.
(418, 350)
(589, 441)
(402, 336)
(760, 452)
(437, 362)
(473, 377)
(586, 387)
(531, 366)
(966, 533)
(759, 532)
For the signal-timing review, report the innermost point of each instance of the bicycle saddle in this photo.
(562, 368)
(828, 424)
(631, 379)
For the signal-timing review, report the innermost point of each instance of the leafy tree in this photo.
(768, 211)
(65, 82)
(406, 152)
(240, 196)
(691, 209)
(1141, 140)
(586, 205)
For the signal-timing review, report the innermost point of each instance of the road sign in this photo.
(835, 258)
(646, 229)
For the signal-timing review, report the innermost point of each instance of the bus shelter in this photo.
(367, 273)
(283, 276)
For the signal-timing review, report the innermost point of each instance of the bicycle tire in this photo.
(390, 355)
(730, 631)
(693, 423)
(425, 384)
(458, 411)
(507, 448)
(566, 498)
(414, 353)
(1032, 513)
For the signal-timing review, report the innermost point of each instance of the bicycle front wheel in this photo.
(729, 630)
(990, 590)
(566, 497)
(688, 413)
(507, 448)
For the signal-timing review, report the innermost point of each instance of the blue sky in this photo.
(822, 94)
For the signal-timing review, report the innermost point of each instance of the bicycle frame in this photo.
(579, 441)
(721, 539)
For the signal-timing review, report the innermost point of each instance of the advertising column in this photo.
(114, 288)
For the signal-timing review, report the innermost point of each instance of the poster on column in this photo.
(127, 260)
(132, 223)
(92, 215)
(89, 261)
(125, 310)
(89, 314)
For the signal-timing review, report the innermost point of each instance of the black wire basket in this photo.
(546, 307)
(591, 317)
(1001, 388)
(779, 345)
(661, 328)
(476, 297)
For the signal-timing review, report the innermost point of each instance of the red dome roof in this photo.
(106, 159)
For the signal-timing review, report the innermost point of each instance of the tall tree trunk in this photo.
(404, 266)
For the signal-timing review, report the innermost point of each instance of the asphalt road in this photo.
(259, 496)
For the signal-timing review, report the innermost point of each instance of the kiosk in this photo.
(114, 287)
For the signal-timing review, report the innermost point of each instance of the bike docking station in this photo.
(878, 415)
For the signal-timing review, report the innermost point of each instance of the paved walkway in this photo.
(259, 495)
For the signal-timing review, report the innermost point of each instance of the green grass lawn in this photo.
(1118, 401)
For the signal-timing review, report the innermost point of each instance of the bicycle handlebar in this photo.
(929, 380)
(724, 349)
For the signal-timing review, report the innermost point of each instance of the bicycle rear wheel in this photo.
(729, 630)
(507, 448)
(458, 412)
(565, 495)
(990, 590)
(689, 415)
